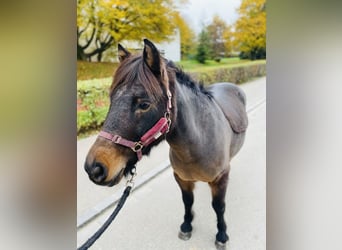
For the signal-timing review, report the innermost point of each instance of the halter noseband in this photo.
(160, 128)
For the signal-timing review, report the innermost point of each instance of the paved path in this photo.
(154, 211)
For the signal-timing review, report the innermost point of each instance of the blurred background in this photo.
(38, 105)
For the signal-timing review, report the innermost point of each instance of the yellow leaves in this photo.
(228, 39)
(128, 19)
(218, 32)
(187, 35)
(250, 28)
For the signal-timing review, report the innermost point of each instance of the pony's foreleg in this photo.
(218, 190)
(187, 188)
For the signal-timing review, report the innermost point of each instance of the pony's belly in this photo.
(197, 173)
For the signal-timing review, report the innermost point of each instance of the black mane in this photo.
(186, 80)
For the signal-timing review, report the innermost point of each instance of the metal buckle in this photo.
(169, 96)
(138, 146)
(116, 139)
(167, 116)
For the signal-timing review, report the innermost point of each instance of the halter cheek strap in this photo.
(160, 128)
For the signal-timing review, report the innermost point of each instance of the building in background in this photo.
(170, 50)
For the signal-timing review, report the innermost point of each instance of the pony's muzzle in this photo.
(105, 162)
(96, 172)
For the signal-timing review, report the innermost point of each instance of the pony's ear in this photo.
(152, 57)
(122, 53)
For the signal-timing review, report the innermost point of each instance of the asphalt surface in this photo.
(153, 212)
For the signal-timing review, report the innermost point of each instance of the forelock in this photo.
(134, 70)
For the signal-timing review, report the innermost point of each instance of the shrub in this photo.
(90, 120)
(203, 48)
(92, 96)
(235, 75)
(253, 54)
(201, 55)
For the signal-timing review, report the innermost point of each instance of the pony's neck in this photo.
(193, 110)
(199, 138)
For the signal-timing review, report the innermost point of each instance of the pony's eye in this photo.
(144, 106)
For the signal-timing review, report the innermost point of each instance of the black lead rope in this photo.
(110, 219)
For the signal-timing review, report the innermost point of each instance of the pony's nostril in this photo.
(98, 173)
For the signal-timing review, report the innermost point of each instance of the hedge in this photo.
(235, 75)
(92, 95)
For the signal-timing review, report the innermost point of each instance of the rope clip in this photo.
(130, 182)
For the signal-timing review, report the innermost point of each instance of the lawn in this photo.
(92, 70)
(193, 65)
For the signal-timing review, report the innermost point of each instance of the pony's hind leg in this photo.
(187, 188)
(218, 190)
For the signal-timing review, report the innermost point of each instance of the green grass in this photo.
(96, 70)
(193, 65)
(93, 70)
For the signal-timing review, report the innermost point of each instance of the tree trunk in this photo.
(80, 54)
(99, 56)
(98, 52)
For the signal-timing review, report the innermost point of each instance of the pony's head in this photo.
(140, 103)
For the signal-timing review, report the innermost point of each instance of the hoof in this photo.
(184, 235)
(220, 245)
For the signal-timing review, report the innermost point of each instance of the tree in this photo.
(203, 48)
(216, 31)
(250, 29)
(228, 36)
(188, 37)
(103, 23)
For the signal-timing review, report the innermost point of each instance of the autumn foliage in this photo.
(217, 31)
(103, 23)
(187, 36)
(250, 29)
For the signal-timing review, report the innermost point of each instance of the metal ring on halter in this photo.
(167, 115)
(138, 146)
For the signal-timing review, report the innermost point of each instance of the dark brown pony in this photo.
(153, 100)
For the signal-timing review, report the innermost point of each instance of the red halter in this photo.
(160, 128)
